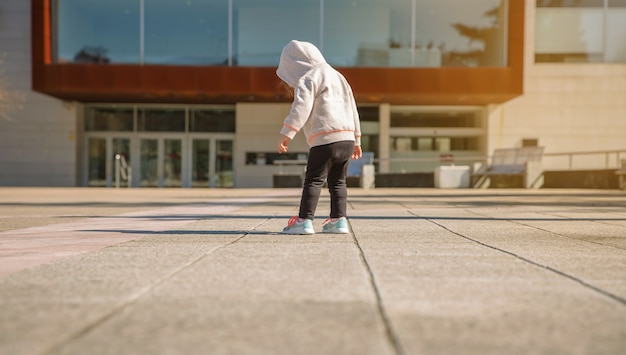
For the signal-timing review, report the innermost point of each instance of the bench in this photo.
(514, 162)
(362, 170)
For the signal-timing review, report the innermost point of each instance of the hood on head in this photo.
(296, 59)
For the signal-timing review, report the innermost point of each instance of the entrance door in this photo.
(161, 162)
(101, 164)
(212, 162)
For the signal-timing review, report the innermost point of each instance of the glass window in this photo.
(109, 119)
(570, 3)
(420, 137)
(582, 31)
(96, 31)
(262, 28)
(161, 120)
(425, 33)
(370, 128)
(186, 32)
(468, 33)
(434, 119)
(357, 32)
(616, 31)
(204, 120)
(379, 33)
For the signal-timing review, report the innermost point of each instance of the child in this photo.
(324, 107)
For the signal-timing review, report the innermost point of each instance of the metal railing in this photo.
(122, 171)
(601, 159)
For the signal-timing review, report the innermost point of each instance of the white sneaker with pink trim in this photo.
(295, 227)
(339, 226)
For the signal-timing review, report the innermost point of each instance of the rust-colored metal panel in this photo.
(221, 84)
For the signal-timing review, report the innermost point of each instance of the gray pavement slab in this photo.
(423, 271)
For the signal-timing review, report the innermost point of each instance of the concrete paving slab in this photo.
(424, 271)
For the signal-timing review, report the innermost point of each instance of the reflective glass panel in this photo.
(580, 31)
(200, 163)
(224, 163)
(616, 32)
(121, 146)
(149, 163)
(96, 31)
(172, 163)
(161, 120)
(109, 119)
(425, 33)
(570, 3)
(212, 121)
(97, 162)
(193, 32)
(262, 28)
(569, 34)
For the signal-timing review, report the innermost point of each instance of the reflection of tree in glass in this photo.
(92, 55)
(492, 38)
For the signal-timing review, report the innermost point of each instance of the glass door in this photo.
(172, 163)
(212, 163)
(121, 170)
(223, 163)
(96, 164)
(200, 172)
(161, 162)
(149, 163)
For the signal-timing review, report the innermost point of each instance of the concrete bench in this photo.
(363, 170)
(513, 162)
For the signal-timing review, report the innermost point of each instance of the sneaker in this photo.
(295, 227)
(338, 227)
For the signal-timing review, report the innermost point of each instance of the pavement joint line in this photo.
(534, 263)
(567, 236)
(390, 333)
(565, 218)
(144, 291)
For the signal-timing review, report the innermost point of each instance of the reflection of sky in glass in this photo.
(196, 31)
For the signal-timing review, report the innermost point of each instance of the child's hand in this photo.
(283, 144)
(357, 152)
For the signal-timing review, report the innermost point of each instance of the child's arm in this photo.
(304, 97)
(357, 121)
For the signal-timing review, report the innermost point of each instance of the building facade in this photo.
(186, 91)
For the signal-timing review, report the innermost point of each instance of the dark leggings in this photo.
(326, 163)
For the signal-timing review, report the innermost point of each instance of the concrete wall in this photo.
(38, 139)
(258, 127)
(567, 107)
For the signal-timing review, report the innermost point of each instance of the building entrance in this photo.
(159, 146)
(160, 160)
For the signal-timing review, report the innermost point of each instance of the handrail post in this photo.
(117, 170)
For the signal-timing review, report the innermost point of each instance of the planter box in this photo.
(452, 177)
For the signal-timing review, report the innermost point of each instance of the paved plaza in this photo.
(423, 271)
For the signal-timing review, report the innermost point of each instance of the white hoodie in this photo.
(323, 104)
